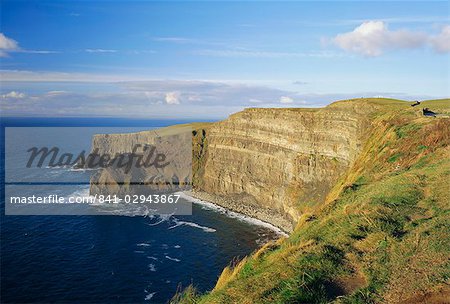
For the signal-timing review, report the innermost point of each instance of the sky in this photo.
(208, 59)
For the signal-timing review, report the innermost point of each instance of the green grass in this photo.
(408, 129)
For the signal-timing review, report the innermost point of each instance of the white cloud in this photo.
(206, 93)
(193, 99)
(264, 54)
(405, 19)
(7, 45)
(441, 42)
(298, 82)
(286, 99)
(37, 51)
(73, 95)
(44, 76)
(100, 51)
(57, 93)
(13, 95)
(172, 98)
(373, 38)
(174, 39)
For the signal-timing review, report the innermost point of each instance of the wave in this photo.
(125, 210)
(81, 169)
(149, 295)
(130, 210)
(191, 224)
(83, 192)
(152, 267)
(232, 214)
(143, 245)
(172, 259)
(161, 218)
(58, 167)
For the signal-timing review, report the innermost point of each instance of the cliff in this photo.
(272, 164)
(173, 143)
(282, 161)
(380, 234)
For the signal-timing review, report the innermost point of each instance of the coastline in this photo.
(231, 208)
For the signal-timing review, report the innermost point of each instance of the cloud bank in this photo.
(374, 38)
(168, 99)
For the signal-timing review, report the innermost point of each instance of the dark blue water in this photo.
(113, 259)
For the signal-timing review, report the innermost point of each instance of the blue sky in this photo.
(209, 59)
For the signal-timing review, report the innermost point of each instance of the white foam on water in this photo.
(143, 245)
(232, 214)
(130, 210)
(152, 267)
(57, 167)
(153, 258)
(172, 259)
(149, 295)
(83, 192)
(177, 246)
(191, 224)
(54, 172)
(162, 218)
(81, 169)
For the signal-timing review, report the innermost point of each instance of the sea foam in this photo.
(232, 214)
(191, 224)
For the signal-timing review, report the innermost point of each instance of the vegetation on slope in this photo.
(382, 235)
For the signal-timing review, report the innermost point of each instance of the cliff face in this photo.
(124, 143)
(170, 173)
(272, 164)
(281, 160)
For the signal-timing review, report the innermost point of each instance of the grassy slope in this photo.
(382, 235)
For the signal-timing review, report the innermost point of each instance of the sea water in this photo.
(112, 258)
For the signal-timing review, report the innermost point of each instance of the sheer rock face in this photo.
(277, 162)
(142, 169)
(285, 160)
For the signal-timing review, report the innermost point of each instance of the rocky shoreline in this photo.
(241, 205)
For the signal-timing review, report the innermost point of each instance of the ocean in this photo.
(109, 258)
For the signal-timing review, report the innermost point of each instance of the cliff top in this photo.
(373, 103)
